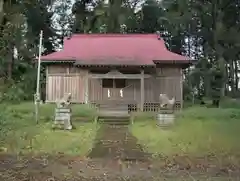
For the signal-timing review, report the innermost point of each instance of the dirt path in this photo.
(65, 168)
(116, 142)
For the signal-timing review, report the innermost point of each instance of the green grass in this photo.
(46, 111)
(198, 131)
(226, 102)
(20, 133)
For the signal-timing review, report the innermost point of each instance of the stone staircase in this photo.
(113, 112)
(114, 120)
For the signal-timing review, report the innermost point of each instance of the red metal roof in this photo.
(115, 49)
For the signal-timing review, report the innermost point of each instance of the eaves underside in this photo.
(155, 62)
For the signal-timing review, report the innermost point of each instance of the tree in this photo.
(198, 29)
(62, 21)
(217, 78)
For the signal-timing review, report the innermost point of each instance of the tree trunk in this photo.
(226, 88)
(236, 75)
(216, 103)
(10, 62)
(231, 76)
(1, 11)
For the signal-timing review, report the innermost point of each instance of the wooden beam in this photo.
(86, 92)
(47, 84)
(104, 76)
(65, 74)
(181, 88)
(142, 90)
(122, 76)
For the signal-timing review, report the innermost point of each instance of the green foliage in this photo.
(198, 131)
(19, 132)
(199, 30)
(217, 75)
(230, 103)
(151, 12)
(4, 127)
(205, 114)
(20, 89)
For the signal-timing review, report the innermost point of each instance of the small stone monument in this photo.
(165, 115)
(63, 113)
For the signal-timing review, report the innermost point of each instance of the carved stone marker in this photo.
(165, 116)
(165, 119)
(62, 118)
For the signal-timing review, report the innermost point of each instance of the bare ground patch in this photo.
(62, 168)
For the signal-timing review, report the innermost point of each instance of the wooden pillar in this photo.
(86, 92)
(142, 90)
(181, 87)
(47, 85)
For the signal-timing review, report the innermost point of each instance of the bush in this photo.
(20, 133)
(204, 113)
(198, 131)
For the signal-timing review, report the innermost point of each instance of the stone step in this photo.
(115, 121)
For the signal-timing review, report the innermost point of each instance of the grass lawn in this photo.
(198, 131)
(20, 134)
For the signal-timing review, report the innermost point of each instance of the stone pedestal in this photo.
(165, 119)
(62, 118)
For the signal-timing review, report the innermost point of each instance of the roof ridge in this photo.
(99, 35)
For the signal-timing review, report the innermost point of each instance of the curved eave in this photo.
(112, 65)
(173, 61)
(57, 61)
(185, 63)
(77, 64)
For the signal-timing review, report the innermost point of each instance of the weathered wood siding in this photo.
(65, 79)
(95, 90)
(169, 81)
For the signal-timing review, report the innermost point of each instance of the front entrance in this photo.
(115, 85)
(113, 89)
(113, 104)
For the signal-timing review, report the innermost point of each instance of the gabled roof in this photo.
(115, 49)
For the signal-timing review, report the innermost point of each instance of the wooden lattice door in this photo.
(113, 89)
